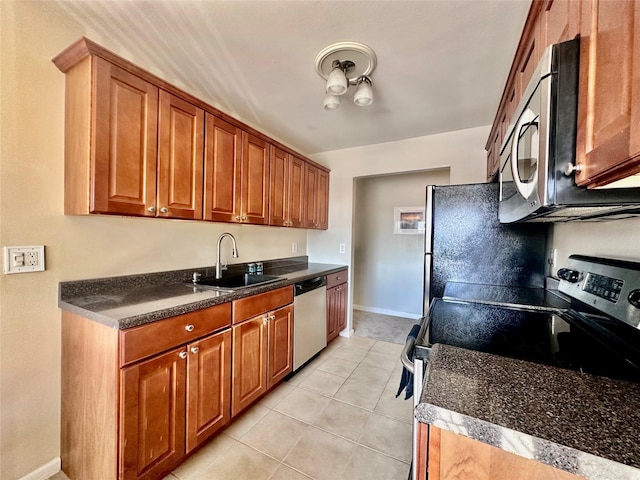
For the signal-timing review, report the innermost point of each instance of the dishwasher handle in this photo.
(309, 285)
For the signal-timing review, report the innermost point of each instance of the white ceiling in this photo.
(442, 64)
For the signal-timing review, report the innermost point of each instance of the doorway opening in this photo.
(388, 262)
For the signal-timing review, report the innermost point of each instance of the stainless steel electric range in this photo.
(591, 323)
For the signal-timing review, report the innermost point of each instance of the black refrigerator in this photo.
(465, 242)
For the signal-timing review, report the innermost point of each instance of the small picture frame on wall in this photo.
(408, 220)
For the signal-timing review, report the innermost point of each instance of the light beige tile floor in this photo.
(337, 419)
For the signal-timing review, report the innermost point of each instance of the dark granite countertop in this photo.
(577, 422)
(133, 300)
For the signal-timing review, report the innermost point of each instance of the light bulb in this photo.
(364, 94)
(331, 102)
(337, 82)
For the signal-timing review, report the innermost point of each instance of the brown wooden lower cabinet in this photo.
(262, 355)
(448, 456)
(337, 298)
(208, 387)
(136, 402)
(249, 378)
(279, 346)
(152, 421)
(172, 403)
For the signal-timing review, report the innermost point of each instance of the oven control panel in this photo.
(608, 285)
(604, 287)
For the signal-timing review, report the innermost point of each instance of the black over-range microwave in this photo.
(537, 158)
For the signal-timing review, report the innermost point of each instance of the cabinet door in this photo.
(493, 155)
(254, 180)
(208, 387)
(608, 140)
(322, 201)
(296, 200)
(286, 206)
(248, 378)
(280, 335)
(559, 21)
(311, 196)
(223, 150)
(343, 291)
(456, 457)
(125, 119)
(279, 191)
(152, 416)
(180, 161)
(333, 303)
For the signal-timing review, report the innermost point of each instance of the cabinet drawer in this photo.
(264, 302)
(146, 340)
(337, 278)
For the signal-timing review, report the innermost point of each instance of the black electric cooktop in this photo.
(564, 338)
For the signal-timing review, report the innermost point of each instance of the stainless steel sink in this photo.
(236, 282)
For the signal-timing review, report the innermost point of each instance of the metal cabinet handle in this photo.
(570, 168)
(238, 217)
(195, 350)
(244, 218)
(190, 328)
(265, 320)
(164, 210)
(151, 209)
(182, 354)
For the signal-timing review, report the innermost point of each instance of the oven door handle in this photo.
(404, 356)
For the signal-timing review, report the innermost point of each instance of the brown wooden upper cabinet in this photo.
(145, 157)
(136, 145)
(608, 138)
(119, 169)
(286, 205)
(236, 174)
(180, 146)
(316, 187)
(608, 141)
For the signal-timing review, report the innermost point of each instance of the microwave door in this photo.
(525, 154)
(523, 157)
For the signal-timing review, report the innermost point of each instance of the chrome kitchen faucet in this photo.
(234, 252)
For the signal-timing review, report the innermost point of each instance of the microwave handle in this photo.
(527, 118)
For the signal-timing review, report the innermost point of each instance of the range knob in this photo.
(571, 276)
(634, 298)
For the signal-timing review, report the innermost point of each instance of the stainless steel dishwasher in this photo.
(309, 319)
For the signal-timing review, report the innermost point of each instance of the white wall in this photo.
(388, 267)
(31, 213)
(615, 239)
(461, 151)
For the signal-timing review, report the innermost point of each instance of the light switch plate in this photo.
(23, 259)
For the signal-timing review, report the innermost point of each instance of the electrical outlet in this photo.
(23, 259)
(553, 254)
(294, 247)
(341, 248)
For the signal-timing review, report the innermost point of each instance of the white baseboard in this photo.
(45, 471)
(383, 311)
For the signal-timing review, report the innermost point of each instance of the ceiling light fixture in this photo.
(343, 64)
